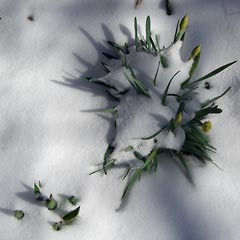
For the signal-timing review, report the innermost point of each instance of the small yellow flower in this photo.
(178, 118)
(184, 23)
(207, 126)
(195, 51)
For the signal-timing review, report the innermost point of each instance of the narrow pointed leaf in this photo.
(210, 101)
(211, 74)
(204, 112)
(139, 156)
(154, 135)
(132, 180)
(157, 41)
(167, 88)
(36, 189)
(148, 33)
(71, 215)
(155, 77)
(185, 166)
(102, 82)
(108, 165)
(128, 149)
(108, 152)
(138, 172)
(176, 32)
(136, 34)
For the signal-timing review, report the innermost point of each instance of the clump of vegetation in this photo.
(52, 205)
(194, 126)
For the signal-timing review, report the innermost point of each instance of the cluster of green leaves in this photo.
(52, 204)
(197, 144)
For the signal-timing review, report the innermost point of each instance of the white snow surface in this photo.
(50, 129)
(140, 116)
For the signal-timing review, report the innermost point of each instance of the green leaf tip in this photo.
(164, 97)
(36, 189)
(72, 199)
(148, 32)
(138, 171)
(51, 203)
(69, 216)
(211, 74)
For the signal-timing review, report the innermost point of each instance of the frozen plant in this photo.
(158, 110)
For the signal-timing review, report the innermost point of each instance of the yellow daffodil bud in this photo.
(184, 23)
(207, 126)
(195, 51)
(178, 118)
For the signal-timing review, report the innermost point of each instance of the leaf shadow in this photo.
(94, 70)
(29, 196)
(7, 211)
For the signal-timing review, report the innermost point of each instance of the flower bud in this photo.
(178, 118)
(184, 23)
(195, 51)
(207, 126)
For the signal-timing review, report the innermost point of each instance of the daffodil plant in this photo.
(157, 96)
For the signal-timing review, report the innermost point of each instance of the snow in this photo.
(140, 116)
(51, 130)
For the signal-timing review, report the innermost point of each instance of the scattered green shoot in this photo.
(72, 199)
(67, 218)
(51, 203)
(37, 191)
(19, 214)
(70, 216)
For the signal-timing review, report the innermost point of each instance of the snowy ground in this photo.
(49, 130)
